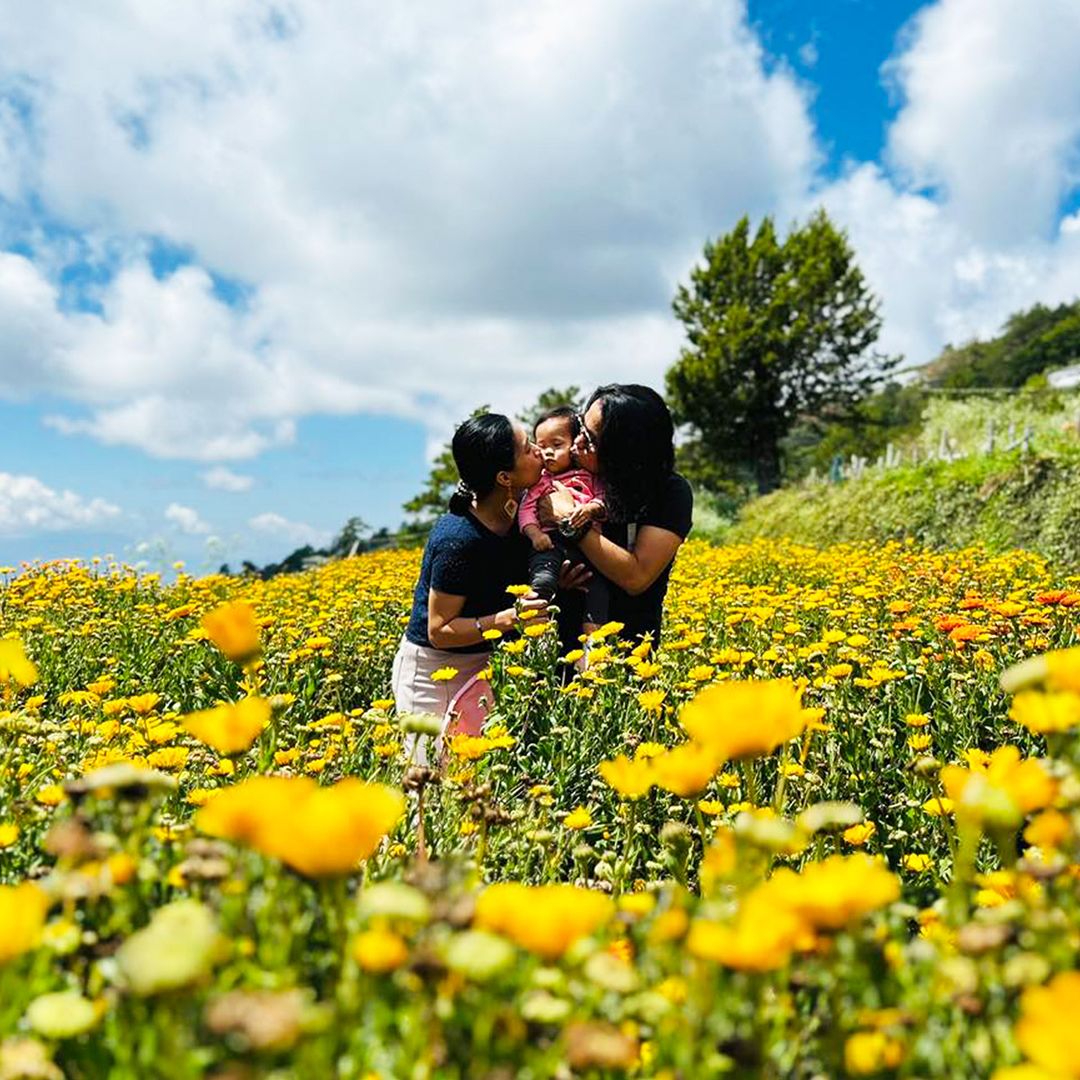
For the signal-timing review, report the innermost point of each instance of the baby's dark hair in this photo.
(483, 447)
(561, 412)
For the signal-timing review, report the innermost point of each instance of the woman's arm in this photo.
(634, 571)
(449, 629)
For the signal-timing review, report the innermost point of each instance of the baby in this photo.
(554, 433)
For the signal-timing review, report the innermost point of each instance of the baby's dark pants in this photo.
(544, 569)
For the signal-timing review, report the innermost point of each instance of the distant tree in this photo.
(351, 535)
(776, 330)
(551, 399)
(1030, 343)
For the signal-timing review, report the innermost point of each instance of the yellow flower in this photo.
(937, 807)
(917, 862)
(1055, 710)
(652, 700)
(380, 951)
(318, 831)
(761, 938)
(834, 893)
(916, 719)
(745, 718)
(631, 779)
(1047, 1031)
(1003, 794)
(14, 664)
(578, 819)
(233, 629)
(443, 674)
(1047, 831)
(857, 835)
(50, 795)
(545, 919)
(22, 917)
(143, 704)
(519, 590)
(918, 743)
(230, 728)
(868, 1052)
(686, 770)
(9, 833)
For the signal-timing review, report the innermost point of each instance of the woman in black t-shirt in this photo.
(627, 437)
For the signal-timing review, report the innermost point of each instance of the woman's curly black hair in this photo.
(636, 451)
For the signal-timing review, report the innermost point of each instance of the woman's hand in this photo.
(510, 619)
(574, 577)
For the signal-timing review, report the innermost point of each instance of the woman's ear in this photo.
(504, 479)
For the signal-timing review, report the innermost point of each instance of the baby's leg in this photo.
(544, 567)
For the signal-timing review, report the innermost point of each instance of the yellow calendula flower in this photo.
(1004, 793)
(9, 833)
(234, 630)
(652, 700)
(869, 1052)
(443, 674)
(14, 665)
(230, 728)
(544, 919)
(1042, 713)
(631, 779)
(917, 862)
(1047, 1031)
(380, 951)
(746, 717)
(318, 831)
(686, 770)
(22, 917)
(857, 835)
(580, 818)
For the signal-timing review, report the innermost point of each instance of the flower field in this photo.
(829, 826)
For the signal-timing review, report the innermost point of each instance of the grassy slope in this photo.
(1003, 501)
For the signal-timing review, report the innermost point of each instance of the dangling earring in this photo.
(510, 506)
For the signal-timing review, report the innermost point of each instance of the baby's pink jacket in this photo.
(580, 482)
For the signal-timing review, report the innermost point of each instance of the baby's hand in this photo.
(542, 542)
(580, 515)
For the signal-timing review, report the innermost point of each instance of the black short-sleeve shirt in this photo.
(463, 557)
(671, 509)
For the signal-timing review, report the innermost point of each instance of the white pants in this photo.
(415, 692)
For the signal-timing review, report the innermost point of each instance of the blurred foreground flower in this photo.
(745, 717)
(178, 947)
(545, 919)
(14, 664)
(1002, 793)
(318, 831)
(230, 728)
(233, 629)
(22, 916)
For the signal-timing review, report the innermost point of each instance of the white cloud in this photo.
(991, 112)
(990, 115)
(27, 506)
(504, 191)
(186, 519)
(220, 478)
(291, 532)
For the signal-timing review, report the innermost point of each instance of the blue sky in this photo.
(256, 258)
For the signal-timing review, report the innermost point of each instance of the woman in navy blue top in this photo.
(472, 555)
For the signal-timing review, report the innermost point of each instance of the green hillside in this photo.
(1002, 500)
